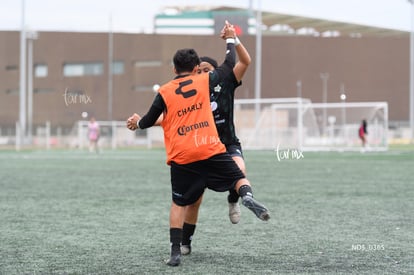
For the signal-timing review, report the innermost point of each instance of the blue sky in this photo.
(137, 16)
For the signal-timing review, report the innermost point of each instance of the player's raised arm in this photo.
(226, 68)
(243, 55)
(244, 60)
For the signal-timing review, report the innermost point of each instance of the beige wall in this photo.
(372, 69)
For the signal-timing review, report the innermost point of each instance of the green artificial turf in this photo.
(72, 212)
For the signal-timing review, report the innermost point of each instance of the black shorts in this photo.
(235, 150)
(188, 181)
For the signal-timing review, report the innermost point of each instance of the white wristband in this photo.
(230, 40)
(236, 41)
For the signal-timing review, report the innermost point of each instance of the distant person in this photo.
(93, 135)
(362, 132)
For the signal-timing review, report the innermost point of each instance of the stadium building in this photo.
(111, 75)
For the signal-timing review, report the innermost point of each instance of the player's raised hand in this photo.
(228, 31)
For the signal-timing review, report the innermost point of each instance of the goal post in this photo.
(268, 124)
(299, 123)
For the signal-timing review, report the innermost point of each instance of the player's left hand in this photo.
(132, 122)
(227, 29)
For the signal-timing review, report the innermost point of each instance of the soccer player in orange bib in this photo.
(197, 157)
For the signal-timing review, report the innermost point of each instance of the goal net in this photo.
(299, 123)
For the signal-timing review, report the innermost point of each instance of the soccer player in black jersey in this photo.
(222, 104)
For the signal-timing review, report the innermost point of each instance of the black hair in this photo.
(364, 125)
(185, 60)
(364, 122)
(209, 60)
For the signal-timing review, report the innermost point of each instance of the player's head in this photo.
(185, 61)
(364, 122)
(207, 64)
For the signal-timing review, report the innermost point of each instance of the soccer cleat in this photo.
(185, 249)
(257, 208)
(234, 212)
(174, 260)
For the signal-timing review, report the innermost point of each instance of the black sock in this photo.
(188, 232)
(245, 190)
(233, 196)
(176, 235)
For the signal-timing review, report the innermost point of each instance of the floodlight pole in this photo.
(258, 71)
(110, 68)
(343, 99)
(31, 36)
(22, 82)
(299, 114)
(324, 77)
(412, 73)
